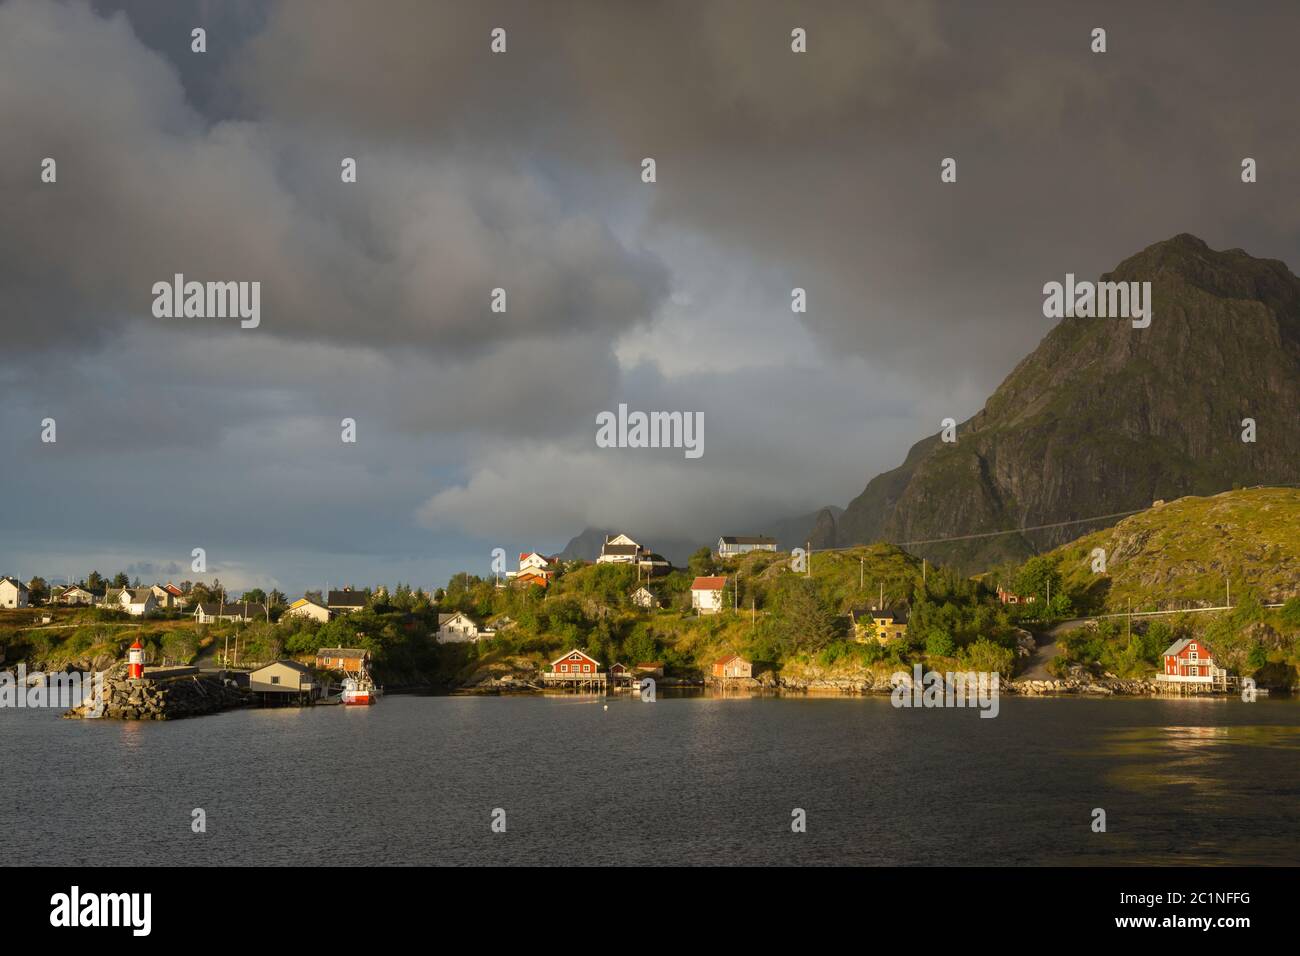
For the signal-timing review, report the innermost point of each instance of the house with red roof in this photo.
(706, 594)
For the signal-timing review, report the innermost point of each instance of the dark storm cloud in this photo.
(826, 165)
(818, 170)
(405, 258)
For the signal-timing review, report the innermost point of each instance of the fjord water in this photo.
(703, 780)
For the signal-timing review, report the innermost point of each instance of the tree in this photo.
(37, 590)
(255, 596)
(700, 564)
(120, 580)
(1037, 577)
(806, 625)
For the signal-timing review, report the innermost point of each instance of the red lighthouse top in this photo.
(135, 660)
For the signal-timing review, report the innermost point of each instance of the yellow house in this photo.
(883, 626)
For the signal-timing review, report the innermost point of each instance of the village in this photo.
(629, 616)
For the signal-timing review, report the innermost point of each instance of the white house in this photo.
(706, 594)
(13, 593)
(730, 546)
(619, 549)
(460, 628)
(644, 597)
(73, 594)
(306, 607)
(138, 601)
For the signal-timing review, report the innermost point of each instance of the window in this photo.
(275, 679)
(586, 668)
(564, 668)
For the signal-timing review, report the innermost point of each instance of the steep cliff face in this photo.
(1103, 417)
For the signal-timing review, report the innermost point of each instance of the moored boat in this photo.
(360, 690)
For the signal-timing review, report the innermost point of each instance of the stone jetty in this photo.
(163, 695)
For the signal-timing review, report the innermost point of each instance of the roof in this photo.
(347, 598)
(444, 618)
(708, 584)
(1177, 646)
(747, 539)
(342, 652)
(15, 582)
(292, 665)
(230, 610)
(632, 549)
(306, 600)
(140, 595)
(729, 658)
(896, 617)
(567, 654)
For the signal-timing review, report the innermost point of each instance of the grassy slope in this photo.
(1181, 553)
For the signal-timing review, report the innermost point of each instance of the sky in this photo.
(522, 170)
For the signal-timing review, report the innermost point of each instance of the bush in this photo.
(939, 644)
(986, 656)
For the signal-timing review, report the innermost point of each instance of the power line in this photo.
(1039, 527)
(994, 534)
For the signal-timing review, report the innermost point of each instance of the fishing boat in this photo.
(360, 689)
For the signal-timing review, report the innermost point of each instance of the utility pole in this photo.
(808, 545)
(862, 570)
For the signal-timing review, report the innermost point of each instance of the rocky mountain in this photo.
(1103, 417)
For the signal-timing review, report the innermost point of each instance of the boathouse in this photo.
(284, 682)
(576, 669)
(732, 666)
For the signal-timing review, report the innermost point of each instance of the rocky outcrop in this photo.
(170, 698)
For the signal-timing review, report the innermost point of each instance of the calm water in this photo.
(414, 780)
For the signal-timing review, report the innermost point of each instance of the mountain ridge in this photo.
(1101, 417)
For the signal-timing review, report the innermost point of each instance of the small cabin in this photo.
(732, 666)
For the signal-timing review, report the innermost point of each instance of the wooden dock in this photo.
(589, 683)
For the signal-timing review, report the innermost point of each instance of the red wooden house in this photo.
(577, 668)
(1190, 658)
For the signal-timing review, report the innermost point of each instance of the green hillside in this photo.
(1185, 553)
